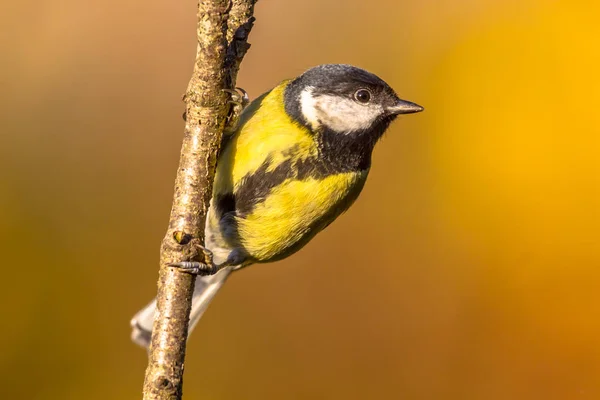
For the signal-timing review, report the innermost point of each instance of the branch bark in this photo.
(223, 28)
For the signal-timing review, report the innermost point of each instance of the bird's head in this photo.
(344, 99)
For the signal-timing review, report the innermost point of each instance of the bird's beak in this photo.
(404, 107)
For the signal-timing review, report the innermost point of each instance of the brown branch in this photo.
(241, 19)
(219, 22)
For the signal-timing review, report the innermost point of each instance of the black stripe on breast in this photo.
(255, 187)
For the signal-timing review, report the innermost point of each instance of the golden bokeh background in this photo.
(469, 268)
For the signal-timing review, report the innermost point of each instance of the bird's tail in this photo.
(206, 288)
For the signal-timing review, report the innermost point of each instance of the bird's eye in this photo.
(362, 96)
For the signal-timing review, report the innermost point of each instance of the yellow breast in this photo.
(294, 212)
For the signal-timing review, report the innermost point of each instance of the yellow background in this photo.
(468, 269)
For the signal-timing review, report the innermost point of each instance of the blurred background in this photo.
(480, 219)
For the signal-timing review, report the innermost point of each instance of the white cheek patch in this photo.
(307, 107)
(337, 113)
(345, 115)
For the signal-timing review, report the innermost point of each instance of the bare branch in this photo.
(216, 66)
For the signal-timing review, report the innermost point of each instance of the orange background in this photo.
(468, 269)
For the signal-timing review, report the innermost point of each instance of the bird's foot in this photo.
(195, 268)
(239, 100)
(205, 266)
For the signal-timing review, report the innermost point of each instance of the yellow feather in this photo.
(285, 217)
(265, 128)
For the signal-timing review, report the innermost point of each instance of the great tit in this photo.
(298, 158)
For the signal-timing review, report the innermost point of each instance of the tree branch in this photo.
(219, 22)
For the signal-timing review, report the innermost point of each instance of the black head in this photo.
(344, 99)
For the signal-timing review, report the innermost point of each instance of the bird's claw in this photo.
(238, 96)
(195, 267)
(204, 267)
(239, 100)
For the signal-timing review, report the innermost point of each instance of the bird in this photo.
(297, 158)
